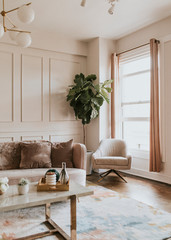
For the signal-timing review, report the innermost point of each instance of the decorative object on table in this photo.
(3, 185)
(86, 98)
(23, 186)
(64, 178)
(53, 171)
(25, 14)
(51, 178)
(43, 186)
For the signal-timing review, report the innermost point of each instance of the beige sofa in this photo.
(11, 154)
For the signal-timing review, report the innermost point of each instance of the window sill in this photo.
(143, 154)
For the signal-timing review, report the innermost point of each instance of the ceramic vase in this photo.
(64, 178)
(23, 189)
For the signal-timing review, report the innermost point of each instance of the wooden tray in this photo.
(42, 186)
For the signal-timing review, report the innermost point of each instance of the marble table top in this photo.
(11, 200)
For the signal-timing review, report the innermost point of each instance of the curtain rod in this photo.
(135, 48)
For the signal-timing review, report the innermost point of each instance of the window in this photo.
(135, 100)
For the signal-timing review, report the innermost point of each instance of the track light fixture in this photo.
(25, 14)
(111, 9)
(83, 2)
(111, 2)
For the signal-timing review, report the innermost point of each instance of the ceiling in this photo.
(67, 17)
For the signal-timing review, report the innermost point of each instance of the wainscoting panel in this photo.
(61, 76)
(32, 89)
(6, 139)
(64, 138)
(6, 86)
(26, 138)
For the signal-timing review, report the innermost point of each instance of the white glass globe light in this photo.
(23, 39)
(26, 14)
(13, 34)
(1, 30)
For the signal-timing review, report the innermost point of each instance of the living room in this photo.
(69, 39)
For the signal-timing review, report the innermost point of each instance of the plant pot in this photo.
(89, 163)
(23, 189)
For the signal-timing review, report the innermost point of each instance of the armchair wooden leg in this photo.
(103, 175)
(119, 175)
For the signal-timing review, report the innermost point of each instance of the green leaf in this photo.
(85, 97)
(94, 113)
(97, 101)
(108, 89)
(97, 87)
(107, 82)
(91, 77)
(105, 95)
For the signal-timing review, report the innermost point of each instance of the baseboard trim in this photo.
(150, 175)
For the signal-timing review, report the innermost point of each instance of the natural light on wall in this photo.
(135, 99)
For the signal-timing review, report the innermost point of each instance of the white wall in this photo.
(98, 62)
(161, 31)
(52, 42)
(107, 47)
(33, 89)
(92, 129)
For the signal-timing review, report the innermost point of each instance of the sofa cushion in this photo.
(62, 152)
(75, 174)
(10, 155)
(118, 161)
(35, 155)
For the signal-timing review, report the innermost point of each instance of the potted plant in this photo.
(86, 98)
(23, 186)
(3, 185)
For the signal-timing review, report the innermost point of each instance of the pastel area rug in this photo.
(106, 215)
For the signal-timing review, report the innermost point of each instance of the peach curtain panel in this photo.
(115, 77)
(155, 156)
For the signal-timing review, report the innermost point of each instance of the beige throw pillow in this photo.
(35, 155)
(62, 152)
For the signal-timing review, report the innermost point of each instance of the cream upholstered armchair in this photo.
(111, 154)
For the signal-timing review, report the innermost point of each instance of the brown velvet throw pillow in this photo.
(35, 155)
(10, 155)
(62, 152)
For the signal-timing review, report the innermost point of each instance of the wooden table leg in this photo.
(73, 218)
(47, 211)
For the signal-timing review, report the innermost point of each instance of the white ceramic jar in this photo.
(23, 189)
(51, 178)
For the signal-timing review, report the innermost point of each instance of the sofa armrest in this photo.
(79, 155)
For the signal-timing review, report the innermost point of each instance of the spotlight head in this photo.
(83, 2)
(111, 9)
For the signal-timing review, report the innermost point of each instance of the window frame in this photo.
(136, 153)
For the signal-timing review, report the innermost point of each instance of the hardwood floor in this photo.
(147, 191)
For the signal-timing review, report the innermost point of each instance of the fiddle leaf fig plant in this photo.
(86, 98)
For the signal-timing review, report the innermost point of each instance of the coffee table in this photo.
(12, 201)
